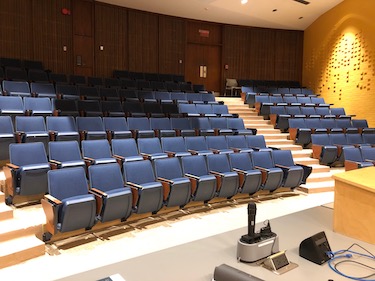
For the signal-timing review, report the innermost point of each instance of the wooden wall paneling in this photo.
(143, 42)
(262, 54)
(111, 29)
(172, 42)
(83, 37)
(16, 29)
(287, 55)
(236, 45)
(51, 32)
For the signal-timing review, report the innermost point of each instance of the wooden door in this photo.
(203, 66)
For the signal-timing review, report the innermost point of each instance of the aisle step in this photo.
(18, 250)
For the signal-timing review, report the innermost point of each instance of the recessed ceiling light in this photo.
(274, 10)
(243, 2)
(300, 18)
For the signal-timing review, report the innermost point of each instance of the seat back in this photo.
(283, 157)
(43, 88)
(96, 149)
(149, 145)
(368, 153)
(11, 104)
(338, 139)
(138, 123)
(90, 124)
(21, 88)
(106, 177)
(262, 159)
(22, 154)
(63, 151)
(352, 154)
(160, 123)
(181, 123)
(139, 172)
(196, 143)
(216, 142)
(38, 104)
(236, 123)
(124, 147)
(61, 123)
(218, 163)
(30, 124)
(168, 168)
(66, 183)
(115, 124)
(194, 165)
(6, 126)
(241, 161)
(238, 141)
(354, 139)
(218, 122)
(320, 139)
(256, 142)
(175, 144)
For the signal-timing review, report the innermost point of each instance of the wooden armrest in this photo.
(235, 149)
(193, 152)
(165, 180)
(192, 176)
(170, 153)
(217, 173)
(52, 199)
(119, 157)
(261, 168)
(98, 192)
(88, 159)
(239, 171)
(215, 151)
(12, 166)
(134, 185)
(55, 162)
(281, 166)
(145, 155)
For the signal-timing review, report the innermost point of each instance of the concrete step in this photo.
(286, 146)
(2, 197)
(257, 125)
(280, 136)
(316, 187)
(6, 212)
(24, 222)
(306, 161)
(18, 250)
(319, 177)
(303, 153)
(265, 131)
(271, 142)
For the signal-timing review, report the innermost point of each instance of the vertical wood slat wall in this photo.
(142, 41)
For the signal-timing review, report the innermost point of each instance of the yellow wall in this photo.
(339, 58)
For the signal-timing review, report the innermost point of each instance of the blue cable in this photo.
(333, 257)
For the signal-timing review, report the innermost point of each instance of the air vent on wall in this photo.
(303, 2)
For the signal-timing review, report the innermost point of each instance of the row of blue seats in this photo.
(174, 83)
(279, 115)
(190, 178)
(263, 103)
(328, 148)
(56, 128)
(67, 91)
(301, 129)
(358, 157)
(45, 106)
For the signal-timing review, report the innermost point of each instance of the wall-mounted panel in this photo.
(111, 39)
(236, 52)
(288, 55)
(16, 28)
(52, 35)
(172, 41)
(143, 42)
(262, 54)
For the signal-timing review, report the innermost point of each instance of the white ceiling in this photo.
(258, 13)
